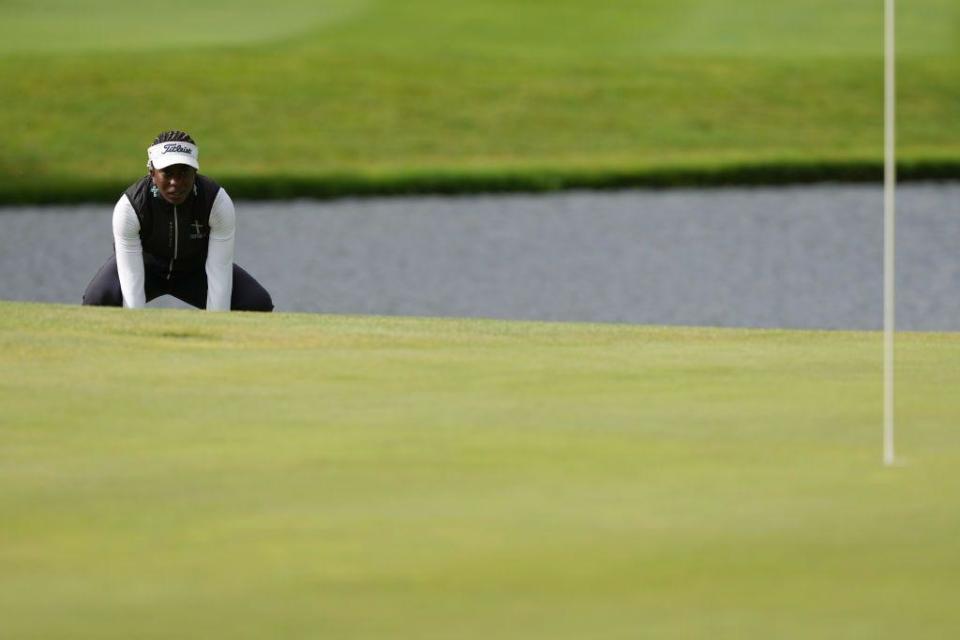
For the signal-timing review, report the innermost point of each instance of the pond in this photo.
(797, 257)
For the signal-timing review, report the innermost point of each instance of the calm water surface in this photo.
(804, 257)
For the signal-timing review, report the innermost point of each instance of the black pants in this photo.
(248, 295)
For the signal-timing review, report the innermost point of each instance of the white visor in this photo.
(166, 154)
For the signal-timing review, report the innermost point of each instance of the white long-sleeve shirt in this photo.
(219, 265)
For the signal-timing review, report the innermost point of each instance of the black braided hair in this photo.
(173, 136)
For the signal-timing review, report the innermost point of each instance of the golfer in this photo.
(173, 234)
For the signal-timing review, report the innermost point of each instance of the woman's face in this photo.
(174, 182)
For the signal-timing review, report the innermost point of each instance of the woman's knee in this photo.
(248, 294)
(262, 302)
(103, 297)
(104, 290)
(252, 299)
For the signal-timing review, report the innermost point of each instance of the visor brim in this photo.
(170, 159)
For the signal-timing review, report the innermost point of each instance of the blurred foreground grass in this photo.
(181, 474)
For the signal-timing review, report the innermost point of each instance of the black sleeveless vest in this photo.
(174, 237)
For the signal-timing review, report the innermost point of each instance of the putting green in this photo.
(177, 473)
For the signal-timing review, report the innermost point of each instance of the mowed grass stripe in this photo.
(236, 475)
(395, 94)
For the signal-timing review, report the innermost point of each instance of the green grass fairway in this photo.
(178, 474)
(299, 96)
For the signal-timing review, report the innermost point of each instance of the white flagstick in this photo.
(889, 224)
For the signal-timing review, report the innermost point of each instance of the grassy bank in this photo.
(529, 179)
(177, 473)
(366, 96)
